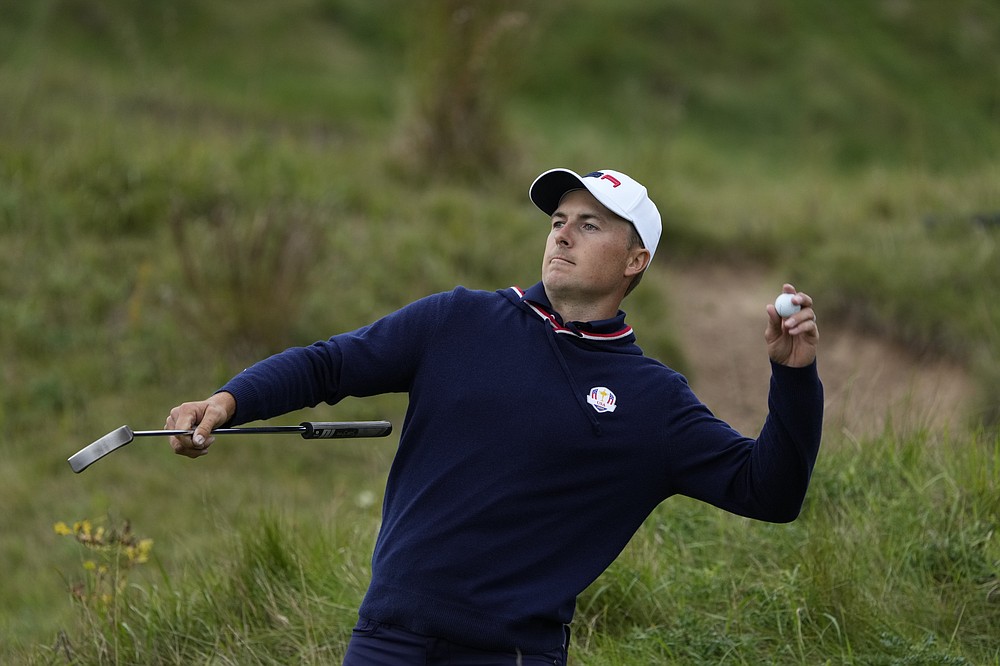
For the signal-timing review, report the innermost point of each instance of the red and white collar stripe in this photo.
(559, 328)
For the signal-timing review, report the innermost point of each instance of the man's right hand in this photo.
(203, 417)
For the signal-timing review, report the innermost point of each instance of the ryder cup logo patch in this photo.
(602, 399)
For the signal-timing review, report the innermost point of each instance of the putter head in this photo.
(91, 453)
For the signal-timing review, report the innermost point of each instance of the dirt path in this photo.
(869, 383)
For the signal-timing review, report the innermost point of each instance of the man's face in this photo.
(586, 254)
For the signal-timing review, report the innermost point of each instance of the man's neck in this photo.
(583, 309)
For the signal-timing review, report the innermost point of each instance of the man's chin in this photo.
(559, 283)
(556, 279)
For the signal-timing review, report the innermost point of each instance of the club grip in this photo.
(345, 429)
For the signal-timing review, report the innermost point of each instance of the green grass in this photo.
(894, 561)
(187, 186)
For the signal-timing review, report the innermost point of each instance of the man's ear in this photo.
(637, 262)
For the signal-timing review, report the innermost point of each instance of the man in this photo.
(538, 436)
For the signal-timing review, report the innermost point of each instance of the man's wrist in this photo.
(226, 403)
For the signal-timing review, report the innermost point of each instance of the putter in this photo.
(119, 437)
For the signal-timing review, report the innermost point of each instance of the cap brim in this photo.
(548, 189)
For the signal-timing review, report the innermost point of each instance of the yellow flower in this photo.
(89, 565)
(62, 528)
(82, 528)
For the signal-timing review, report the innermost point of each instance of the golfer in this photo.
(538, 436)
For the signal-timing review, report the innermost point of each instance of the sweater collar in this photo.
(601, 330)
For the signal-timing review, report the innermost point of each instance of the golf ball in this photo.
(783, 304)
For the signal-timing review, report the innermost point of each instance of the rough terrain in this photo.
(869, 383)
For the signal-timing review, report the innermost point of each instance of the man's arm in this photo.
(378, 358)
(766, 478)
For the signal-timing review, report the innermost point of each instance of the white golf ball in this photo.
(783, 304)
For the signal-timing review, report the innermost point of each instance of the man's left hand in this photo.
(792, 341)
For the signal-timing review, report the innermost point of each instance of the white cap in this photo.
(619, 193)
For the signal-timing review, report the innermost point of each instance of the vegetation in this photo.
(860, 578)
(187, 186)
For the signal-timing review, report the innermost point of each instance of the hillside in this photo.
(187, 186)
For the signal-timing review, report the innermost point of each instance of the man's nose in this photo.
(561, 235)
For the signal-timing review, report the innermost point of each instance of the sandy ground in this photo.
(869, 383)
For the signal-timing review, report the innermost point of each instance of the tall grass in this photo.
(895, 560)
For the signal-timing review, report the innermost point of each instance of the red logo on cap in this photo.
(603, 176)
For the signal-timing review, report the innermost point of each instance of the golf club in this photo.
(119, 437)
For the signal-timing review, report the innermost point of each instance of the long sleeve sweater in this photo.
(531, 451)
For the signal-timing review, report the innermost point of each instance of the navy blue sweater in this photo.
(531, 452)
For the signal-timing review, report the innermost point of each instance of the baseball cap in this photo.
(618, 192)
